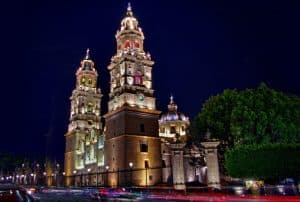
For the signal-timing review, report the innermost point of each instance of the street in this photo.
(150, 197)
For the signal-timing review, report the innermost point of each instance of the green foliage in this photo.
(251, 116)
(266, 161)
(215, 116)
(9, 161)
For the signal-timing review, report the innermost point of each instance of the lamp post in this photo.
(96, 177)
(31, 179)
(130, 166)
(146, 177)
(107, 168)
(63, 180)
(88, 177)
(74, 176)
(57, 171)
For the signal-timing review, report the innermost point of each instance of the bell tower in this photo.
(131, 139)
(83, 139)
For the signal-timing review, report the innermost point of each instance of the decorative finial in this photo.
(207, 135)
(172, 105)
(87, 56)
(128, 6)
(171, 99)
(129, 9)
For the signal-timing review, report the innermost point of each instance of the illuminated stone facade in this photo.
(172, 123)
(132, 118)
(173, 127)
(138, 147)
(211, 155)
(84, 139)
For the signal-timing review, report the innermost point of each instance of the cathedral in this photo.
(137, 145)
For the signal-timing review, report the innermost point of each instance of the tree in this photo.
(251, 116)
(266, 161)
(215, 116)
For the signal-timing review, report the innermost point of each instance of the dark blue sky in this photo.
(200, 48)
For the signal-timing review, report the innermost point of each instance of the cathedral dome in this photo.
(173, 114)
(129, 22)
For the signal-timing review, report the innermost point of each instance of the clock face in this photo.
(140, 97)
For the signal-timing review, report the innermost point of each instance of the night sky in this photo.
(199, 49)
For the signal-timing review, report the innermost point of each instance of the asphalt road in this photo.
(80, 198)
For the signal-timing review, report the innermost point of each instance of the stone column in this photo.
(211, 155)
(177, 165)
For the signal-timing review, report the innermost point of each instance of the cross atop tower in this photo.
(87, 56)
(129, 10)
(171, 99)
(172, 105)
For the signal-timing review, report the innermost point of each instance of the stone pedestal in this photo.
(177, 165)
(211, 155)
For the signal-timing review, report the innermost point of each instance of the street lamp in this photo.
(31, 180)
(130, 166)
(74, 177)
(45, 177)
(88, 176)
(107, 168)
(146, 176)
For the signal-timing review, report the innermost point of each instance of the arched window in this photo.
(87, 66)
(90, 82)
(119, 46)
(138, 78)
(173, 129)
(127, 44)
(136, 44)
(164, 165)
(90, 107)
